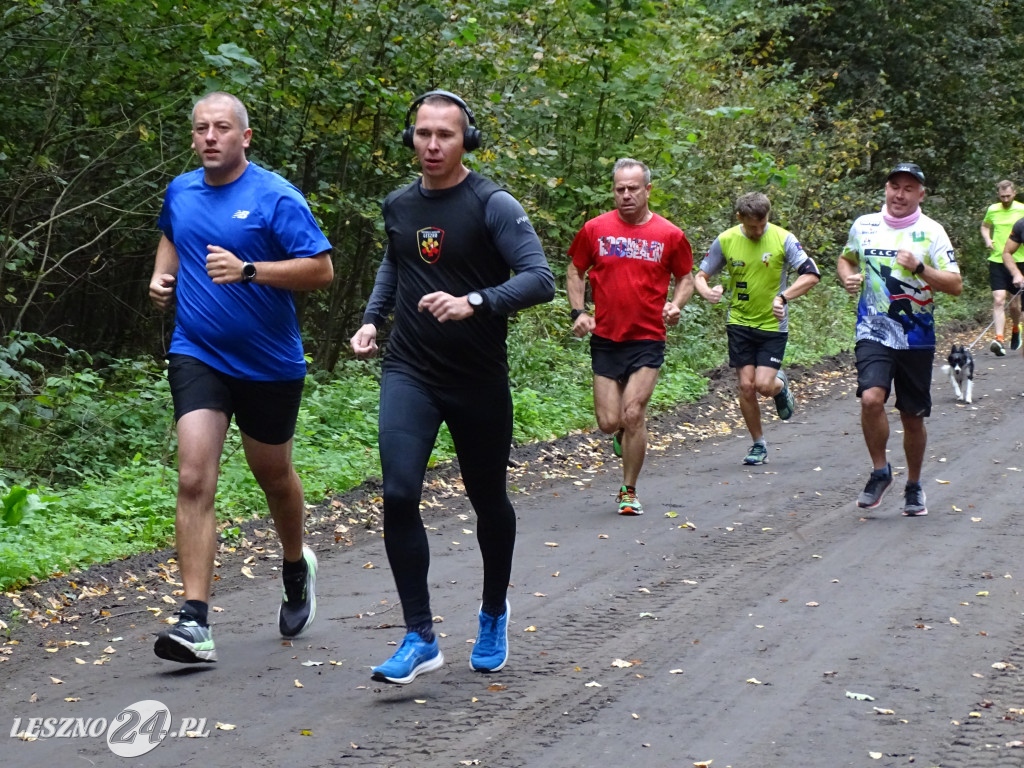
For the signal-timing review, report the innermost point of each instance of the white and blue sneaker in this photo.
(298, 601)
(490, 652)
(414, 657)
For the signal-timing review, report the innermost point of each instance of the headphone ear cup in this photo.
(471, 138)
(407, 136)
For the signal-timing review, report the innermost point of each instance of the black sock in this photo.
(198, 610)
(494, 609)
(293, 574)
(424, 630)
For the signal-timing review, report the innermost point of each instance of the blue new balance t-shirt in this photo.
(245, 330)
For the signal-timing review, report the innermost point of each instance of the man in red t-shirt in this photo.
(630, 255)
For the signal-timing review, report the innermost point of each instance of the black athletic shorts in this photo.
(910, 370)
(752, 346)
(264, 410)
(621, 359)
(999, 276)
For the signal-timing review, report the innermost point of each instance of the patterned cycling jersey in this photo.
(895, 307)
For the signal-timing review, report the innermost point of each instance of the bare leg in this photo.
(200, 442)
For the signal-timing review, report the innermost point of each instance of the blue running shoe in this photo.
(785, 403)
(490, 652)
(298, 601)
(414, 657)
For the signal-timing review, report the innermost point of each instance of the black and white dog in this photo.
(961, 372)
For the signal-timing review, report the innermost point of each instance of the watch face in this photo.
(248, 271)
(475, 299)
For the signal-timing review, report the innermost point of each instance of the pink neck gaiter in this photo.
(903, 223)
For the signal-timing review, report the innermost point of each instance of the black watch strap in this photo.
(919, 268)
(575, 313)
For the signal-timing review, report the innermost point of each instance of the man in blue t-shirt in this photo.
(237, 240)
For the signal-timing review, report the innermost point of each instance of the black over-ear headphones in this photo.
(471, 136)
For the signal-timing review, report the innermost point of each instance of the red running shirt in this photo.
(629, 269)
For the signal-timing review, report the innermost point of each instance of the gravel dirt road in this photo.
(743, 621)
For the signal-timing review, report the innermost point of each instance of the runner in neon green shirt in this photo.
(757, 257)
(999, 220)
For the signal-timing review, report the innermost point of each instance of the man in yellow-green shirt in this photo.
(757, 257)
(999, 220)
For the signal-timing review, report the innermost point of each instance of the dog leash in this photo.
(980, 335)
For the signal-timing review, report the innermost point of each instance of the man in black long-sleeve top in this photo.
(454, 241)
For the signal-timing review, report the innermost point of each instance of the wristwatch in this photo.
(576, 313)
(785, 301)
(477, 301)
(919, 268)
(248, 272)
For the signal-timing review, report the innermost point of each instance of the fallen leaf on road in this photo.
(875, 755)
(954, 621)
(73, 698)
(497, 687)
(1001, 665)
(170, 600)
(622, 663)
(602, 535)
(469, 762)
(812, 604)
(593, 684)
(956, 508)
(80, 661)
(816, 469)
(754, 681)
(675, 671)
(420, 701)
(225, 727)
(550, 543)
(247, 572)
(1012, 744)
(672, 514)
(882, 711)
(539, 594)
(530, 628)
(975, 519)
(859, 696)
(974, 714)
(983, 593)
(312, 663)
(305, 732)
(109, 649)
(298, 684)
(56, 681)
(703, 763)
(636, 716)
(942, 482)
(368, 565)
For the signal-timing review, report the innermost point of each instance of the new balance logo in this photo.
(240, 215)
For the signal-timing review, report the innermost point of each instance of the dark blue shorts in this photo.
(264, 410)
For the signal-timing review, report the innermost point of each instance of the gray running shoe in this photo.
(186, 642)
(878, 484)
(785, 403)
(914, 501)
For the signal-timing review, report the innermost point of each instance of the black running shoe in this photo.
(298, 602)
(914, 501)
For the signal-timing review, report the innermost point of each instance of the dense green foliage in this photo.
(810, 102)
